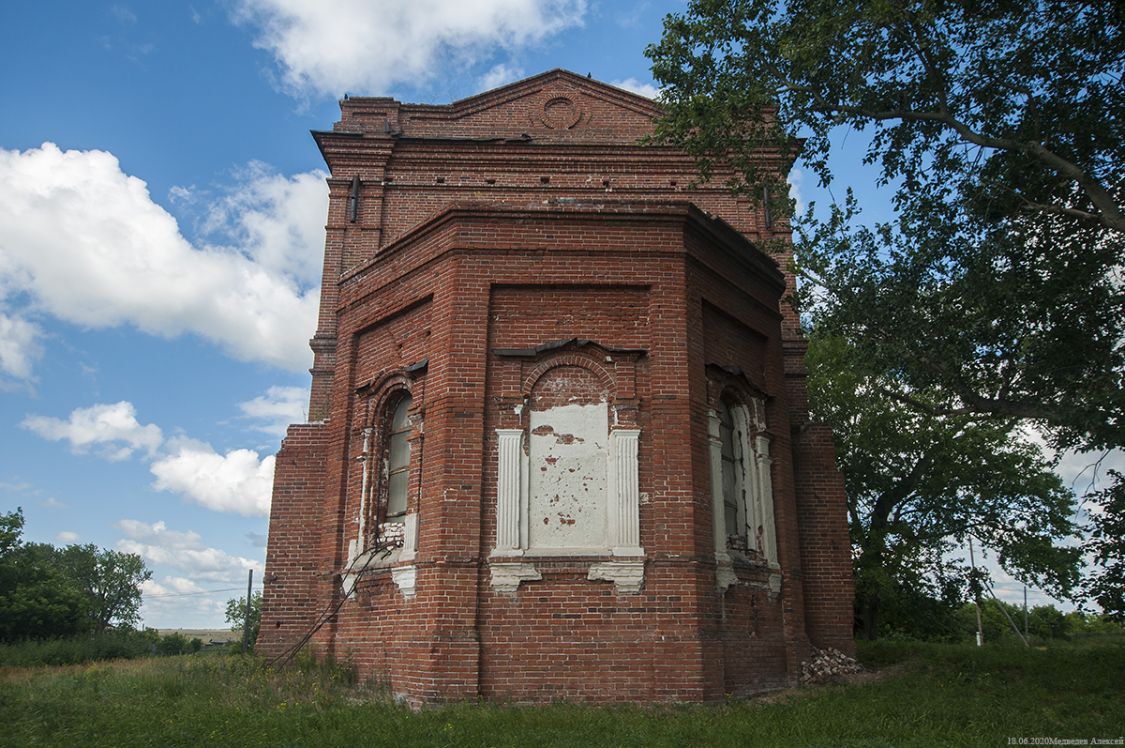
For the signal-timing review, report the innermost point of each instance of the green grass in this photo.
(109, 645)
(926, 694)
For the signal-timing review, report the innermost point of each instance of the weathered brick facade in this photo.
(590, 347)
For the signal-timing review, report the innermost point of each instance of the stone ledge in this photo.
(627, 576)
(406, 578)
(507, 575)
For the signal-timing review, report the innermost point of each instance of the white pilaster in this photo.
(509, 448)
(718, 516)
(764, 497)
(624, 493)
(409, 537)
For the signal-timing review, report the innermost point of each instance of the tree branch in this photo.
(893, 496)
(1110, 215)
(1090, 219)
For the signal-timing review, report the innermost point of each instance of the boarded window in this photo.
(569, 431)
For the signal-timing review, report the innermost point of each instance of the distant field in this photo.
(919, 695)
(218, 635)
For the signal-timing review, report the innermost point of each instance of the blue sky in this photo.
(161, 232)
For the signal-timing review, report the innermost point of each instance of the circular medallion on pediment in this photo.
(560, 113)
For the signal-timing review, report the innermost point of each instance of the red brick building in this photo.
(558, 442)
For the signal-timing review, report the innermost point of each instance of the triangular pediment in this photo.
(556, 105)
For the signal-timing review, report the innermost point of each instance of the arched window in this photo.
(396, 459)
(732, 471)
(742, 489)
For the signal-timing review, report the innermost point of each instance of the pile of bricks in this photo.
(827, 665)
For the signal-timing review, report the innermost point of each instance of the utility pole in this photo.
(1025, 611)
(976, 593)
(246, 613)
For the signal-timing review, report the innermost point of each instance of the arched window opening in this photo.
(732, 468)
(742, 486)
(396, 457)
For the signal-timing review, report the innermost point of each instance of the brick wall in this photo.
(296, 581)
(487, 234)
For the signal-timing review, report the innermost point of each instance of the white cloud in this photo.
(498, 75)
(640, 88)
(19, 346)
(795, 178)
(112, 429)
(277, 220)
(177, 602)
(170, 586)
(1081, 472)
(1087, 471)
(86, 242)
(66, 537)
(276, 409)
(238, 481)
(184, 552)
(333, 46)
(123, 14)
(195, 579)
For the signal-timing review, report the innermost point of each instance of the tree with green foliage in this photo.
(11, 528)
(110, 580)
(1106, 586)
(995, 293)
(919, 484)
(57, 592)
(236, 615)
(36, 598)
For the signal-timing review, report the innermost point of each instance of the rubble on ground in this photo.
(826, 665)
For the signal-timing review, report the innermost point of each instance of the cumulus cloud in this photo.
(170, 586)
(1087, 471)
(238, 481)
(796, 179)
(123, 14)
(333, 46)
(1081, 472)
(112, 430)
(275, 410)
(257, 539)
(500, 74)
(88, 245)
(66, 537)
(277, 220)
(183, 551)
(19, 347)
(640, 88)
(196, 579)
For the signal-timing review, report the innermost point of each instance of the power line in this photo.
(187, 594)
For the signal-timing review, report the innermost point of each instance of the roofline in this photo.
(715, 228)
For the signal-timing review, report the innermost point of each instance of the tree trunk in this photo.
(869, 615)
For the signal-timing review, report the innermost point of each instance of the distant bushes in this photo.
(108, 645)
(177, 644)
(914, 615)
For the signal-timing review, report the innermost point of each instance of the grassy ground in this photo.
(921, 694)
